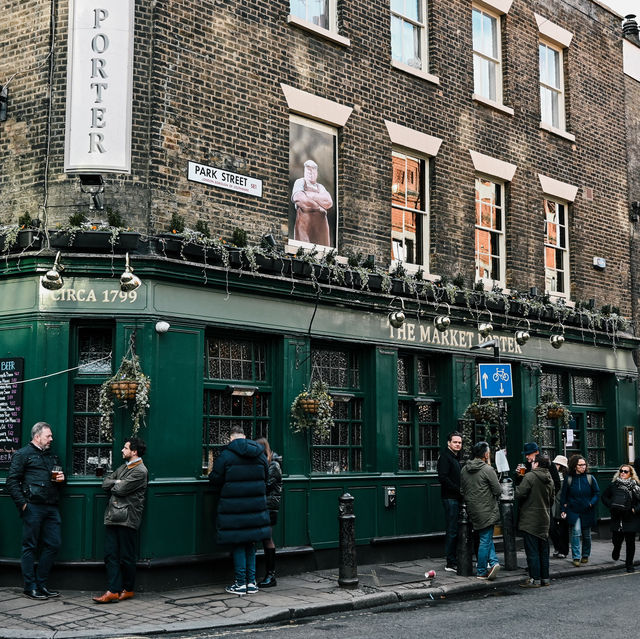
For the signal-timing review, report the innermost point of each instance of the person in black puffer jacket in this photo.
(274, 493)
(239, 475)
(622, 498)
(34, 490)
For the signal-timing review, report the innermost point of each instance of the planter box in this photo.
(300, 267)
(30, 239)
(95, 241)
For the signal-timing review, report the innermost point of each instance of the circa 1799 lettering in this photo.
(108, 296)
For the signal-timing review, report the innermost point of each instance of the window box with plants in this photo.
(23, 236)
(109, 236)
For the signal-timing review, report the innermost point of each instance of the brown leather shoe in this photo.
(126, 594)
(108, 597)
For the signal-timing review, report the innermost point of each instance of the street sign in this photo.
(495, 380)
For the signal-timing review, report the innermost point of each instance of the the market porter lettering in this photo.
(99, 44)
(428, 334)
(11, 372)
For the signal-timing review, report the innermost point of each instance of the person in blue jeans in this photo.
(449, 478)
(480, 488)
(239, 475)
(579, 496)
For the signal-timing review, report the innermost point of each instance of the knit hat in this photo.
(561, 460)
(530, 447)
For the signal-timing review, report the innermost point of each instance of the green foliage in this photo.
(203, 228)
(321, 421)
(177, 223)
(114, 218)
(76, 220)
(239, 237)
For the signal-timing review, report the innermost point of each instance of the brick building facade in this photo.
(492, 133)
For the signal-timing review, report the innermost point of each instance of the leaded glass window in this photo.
(595, 439)
(585, 390)
(336, 368)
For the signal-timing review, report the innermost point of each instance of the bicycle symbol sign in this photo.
(495, 380)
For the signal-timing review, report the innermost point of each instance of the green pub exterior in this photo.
(240, 346)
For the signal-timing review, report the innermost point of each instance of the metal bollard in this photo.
(348, 568)
(465, 543)
(507, 499)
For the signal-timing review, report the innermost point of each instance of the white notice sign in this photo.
(224, 179)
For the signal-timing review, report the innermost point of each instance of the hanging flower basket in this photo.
(554, 413)
(312, 409)
(549, 408)
(129, 384)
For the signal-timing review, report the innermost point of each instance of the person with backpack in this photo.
(578, 499)
(622, 498)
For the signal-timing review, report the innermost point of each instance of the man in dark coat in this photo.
(240, 476)
(127, 487)
(34, 485)
(449, 477)
(530, 451)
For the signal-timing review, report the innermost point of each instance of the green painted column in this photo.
(381, 419)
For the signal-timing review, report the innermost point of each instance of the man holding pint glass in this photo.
(34, 481)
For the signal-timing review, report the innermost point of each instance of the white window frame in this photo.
(564, 278)
(479, 55)
(306, 23)
(424, 41)
(425, 213)
(490, 282)
(559, 91)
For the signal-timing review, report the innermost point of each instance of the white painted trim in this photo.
(557, 189)
(316, 107)
(417, 72)
(631, 59)
(412, 139)
(560, 132)
(492, 166)
(553, 32)
(492, 104)
(501, 6)
(314, 28)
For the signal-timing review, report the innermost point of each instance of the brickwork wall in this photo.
(207, 89)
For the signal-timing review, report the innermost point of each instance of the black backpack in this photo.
(621, 501)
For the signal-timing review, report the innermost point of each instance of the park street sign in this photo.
(495, 380)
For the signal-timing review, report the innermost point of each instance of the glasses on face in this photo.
(583, 464)
(625, 470)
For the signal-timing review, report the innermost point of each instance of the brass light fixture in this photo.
(129, 281)
(52, 280)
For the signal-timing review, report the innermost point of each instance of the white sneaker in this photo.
(449, 568)
(252, 589)
(237, 589)
(493, 572)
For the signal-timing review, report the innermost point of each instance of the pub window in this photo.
(91, 446)
(554, 383)
(236, 393)
(585, 390)
(418, 414)
(342, 449)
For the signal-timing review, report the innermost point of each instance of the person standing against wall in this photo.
(449, 477)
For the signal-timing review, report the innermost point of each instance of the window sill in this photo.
(558, 132)
(412, 269)
(559, 297)
(323, 33)
(494, 105)
(434, 79)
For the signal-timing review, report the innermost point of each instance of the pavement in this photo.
(74, 614)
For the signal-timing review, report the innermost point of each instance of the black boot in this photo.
(269, 580)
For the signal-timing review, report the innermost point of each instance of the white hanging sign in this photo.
(569, 436)
(99, 86)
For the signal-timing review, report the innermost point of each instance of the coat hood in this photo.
(474, 465)
(543, 474)
(245, 447)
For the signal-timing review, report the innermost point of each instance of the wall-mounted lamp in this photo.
(242, 391)
(396, 318)
(162, 327)
(442, 322)
(93, 185)
(522, 336)
(129, 281)
(557, 341)
(486, 328)
(52, 280)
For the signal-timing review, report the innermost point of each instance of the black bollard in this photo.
(465, 543)
(348, 568)
(507, 517)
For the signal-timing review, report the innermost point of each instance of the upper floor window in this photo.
(556, 253)
(317, 12)
(409, 205)
(487, 73)
(489, 229)
(551, 86)
(409, 33)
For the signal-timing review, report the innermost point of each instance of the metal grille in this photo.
(554, 382)
(233, 359)
(405, 439)
(337, 369)
(403, 374)
(90, 446)
(94, 352)
(427, 383)
(595, 439)
(585, 390)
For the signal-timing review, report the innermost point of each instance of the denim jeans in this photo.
(451, 508)
(577, 533)
(40, 522)
(486, 551)
(537, 551)
(244, 563)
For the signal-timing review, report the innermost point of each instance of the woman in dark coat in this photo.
(578, 500)
(535, 494)
(622, 498)
(274, 492)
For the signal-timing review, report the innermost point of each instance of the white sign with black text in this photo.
(99, 86)
(224, 179)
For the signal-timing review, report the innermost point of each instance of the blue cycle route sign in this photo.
(495, 380)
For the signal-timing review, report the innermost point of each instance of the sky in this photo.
(624, 7)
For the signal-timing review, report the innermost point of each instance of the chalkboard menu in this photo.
(11, 371)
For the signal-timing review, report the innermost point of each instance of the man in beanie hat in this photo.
(530, 450)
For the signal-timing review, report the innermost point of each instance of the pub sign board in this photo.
(11, 372)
